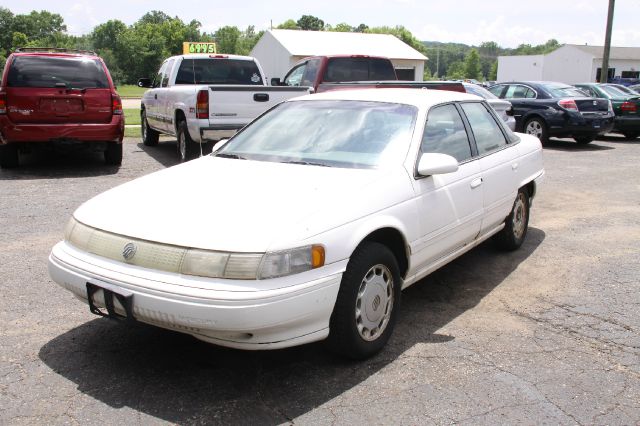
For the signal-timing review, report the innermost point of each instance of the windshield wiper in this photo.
(306, 163)
(226, 155)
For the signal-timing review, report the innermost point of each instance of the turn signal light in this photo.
(202, 104)
(3, 103)
(629, 107)
(568, 104)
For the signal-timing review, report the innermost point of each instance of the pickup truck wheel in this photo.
(150, 137)
(368, 302)
(8, 156)
(113, 154)
(538, 128)
(584, 140)
(187, 148)
(515, 228)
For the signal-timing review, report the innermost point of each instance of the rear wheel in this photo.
(368, 301)
(187, 148)
(584, 140)
(516, 225)
(113, 154)
(538, 128)
(8, 156)
(149, 136)
(630, 135)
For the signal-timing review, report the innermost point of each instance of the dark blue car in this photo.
(545, 109)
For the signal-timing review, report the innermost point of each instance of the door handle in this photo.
(261, 97)
(476, 183)
(155, 96)
(514, 166)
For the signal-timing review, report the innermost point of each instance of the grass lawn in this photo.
(130, 91)
(132, 132)
(132, 116)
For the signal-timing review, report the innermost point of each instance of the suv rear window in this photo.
(218, 71)
(359, 69)
(48, 71)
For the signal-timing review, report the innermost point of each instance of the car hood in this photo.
(240, 205)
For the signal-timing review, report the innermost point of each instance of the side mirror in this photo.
(509, 111)
(144, 82)
(275, 82)
(432, 163)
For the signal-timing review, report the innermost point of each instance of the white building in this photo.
(571, 63)
(279, 50)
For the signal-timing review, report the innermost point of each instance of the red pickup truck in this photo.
(335, 72)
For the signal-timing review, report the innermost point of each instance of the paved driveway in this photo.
(547, 334)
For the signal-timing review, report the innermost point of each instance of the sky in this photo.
(509, 23)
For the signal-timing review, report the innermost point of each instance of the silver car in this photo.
(501, 106)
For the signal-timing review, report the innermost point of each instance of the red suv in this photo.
(58, 97)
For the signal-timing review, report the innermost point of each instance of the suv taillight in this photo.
(202, 104)
(3, 103)
(568, 104)
(116, 104)
(629, 106)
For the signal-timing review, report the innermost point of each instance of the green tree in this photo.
(105, 36)
(426, 76)
(39, 25)
(342, 28)
(289, 24)
(402, 33)
(227, 38)
(154, 17)
(361, 28)
(19, 40)
(310, 23)
(472, 67)
(6, 29)
(455, 71)
(493, 74)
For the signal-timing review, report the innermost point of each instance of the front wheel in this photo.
(584, 140)
(538, 128)
(516, 225)
(187, 148)
(150, 137)
(368, 301)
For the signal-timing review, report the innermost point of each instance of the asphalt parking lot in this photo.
(549, 334)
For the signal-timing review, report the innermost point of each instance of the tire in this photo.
(516, 225)
(630, 135)
(368, 301)
(9, 156)
(113, 154)
(537, 127)
(187, 148)
(584, 140)
(150, 137)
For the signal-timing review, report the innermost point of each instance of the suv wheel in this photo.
(113, 154)
(150, 137)
(8, 156)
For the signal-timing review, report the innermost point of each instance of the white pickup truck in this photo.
(201, 98)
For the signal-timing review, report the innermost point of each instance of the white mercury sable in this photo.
(308, 223)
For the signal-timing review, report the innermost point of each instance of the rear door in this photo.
(58, 89)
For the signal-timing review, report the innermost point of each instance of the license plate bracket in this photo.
(110, 292)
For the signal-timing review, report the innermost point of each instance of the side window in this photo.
(496, 90)
(185, 72)
(529, 94)
(310, 72)
(167, 73)
(486, 131)
(516, 91)
(444, 133)
(295, 76)
(158, 78)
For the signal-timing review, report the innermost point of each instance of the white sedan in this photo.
(308, 223)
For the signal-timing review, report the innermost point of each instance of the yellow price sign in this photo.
(198, 47)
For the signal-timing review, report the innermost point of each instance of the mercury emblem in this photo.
(129, 251)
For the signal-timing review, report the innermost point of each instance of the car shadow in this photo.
(619, 139)
(176, 378)
(166, 152)
(47, 164)
(571, 145)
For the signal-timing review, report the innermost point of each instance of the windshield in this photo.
(474, 89)
(562, 91)
(614, 92)
(352, 134)
(50, 72)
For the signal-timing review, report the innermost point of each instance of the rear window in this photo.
(359, 69)
(559, 91)
(48, 71)
(218, 71)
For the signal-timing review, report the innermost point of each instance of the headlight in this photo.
(191, 261)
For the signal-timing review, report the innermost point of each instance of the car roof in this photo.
(213, 56)
(416, 97)
(58, 54)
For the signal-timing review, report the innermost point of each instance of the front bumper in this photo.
(272, 317)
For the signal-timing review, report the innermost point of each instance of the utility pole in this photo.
(604, 71)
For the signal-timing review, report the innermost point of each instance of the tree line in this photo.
(136, 50)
